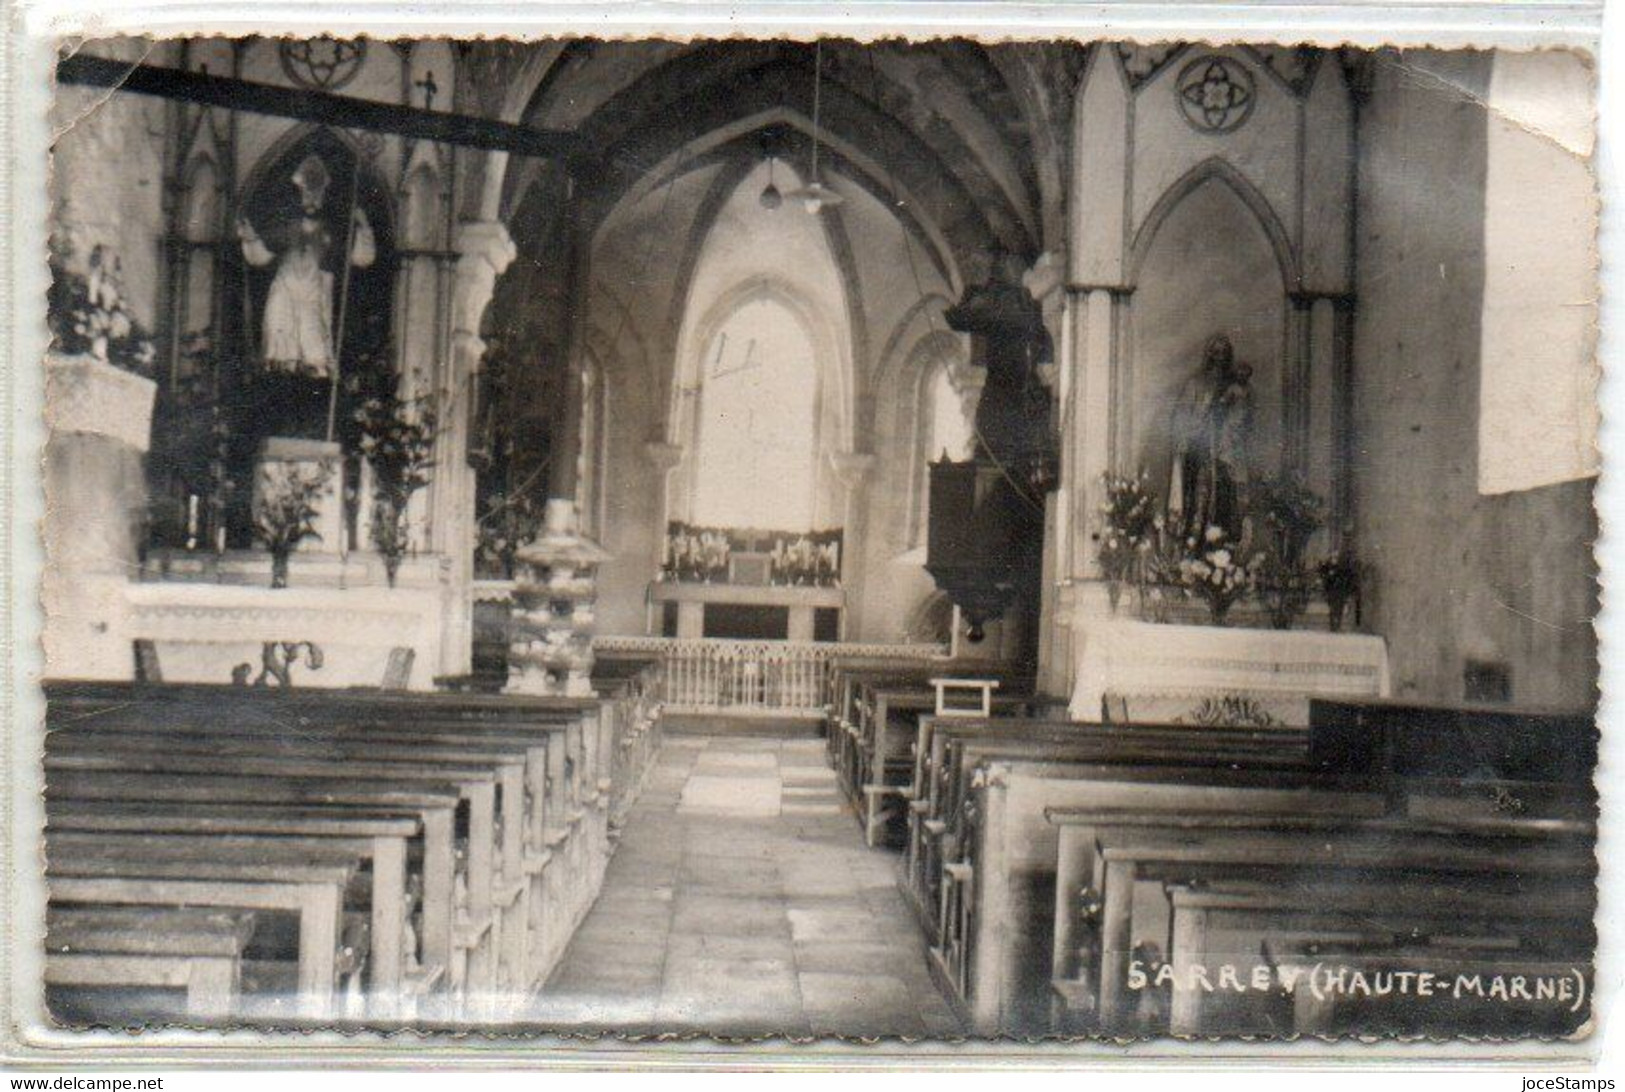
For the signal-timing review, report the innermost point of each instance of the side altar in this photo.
(1133, 671)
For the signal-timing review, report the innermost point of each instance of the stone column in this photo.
(1325, 411)
(484, 251)
(1046, 282)
(1092, 395)
(852, 468)
(1297, 387)
(665, 458)
(565, 471)
(99, 421)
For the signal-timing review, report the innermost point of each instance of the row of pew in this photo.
(871, 723)
(1391, 869)
(284, 855)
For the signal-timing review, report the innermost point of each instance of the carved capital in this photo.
(1047, 277)
(484, 252)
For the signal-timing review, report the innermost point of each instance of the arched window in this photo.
(944, 428)
(948, 428)
(757, 427)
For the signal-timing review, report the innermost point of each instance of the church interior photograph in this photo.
(911, 539)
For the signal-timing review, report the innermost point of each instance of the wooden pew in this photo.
(953, 750)
(123, 948)
(380, 840)
(842, 725)
(995, 893)
(244, 746)
(559, 763)
(1470, 743)
(266, 805)
(310, 885)
(474, 924)
(886, 733)
(1184, 850)
(1213, 923)
(553, 760)
(1469, 991)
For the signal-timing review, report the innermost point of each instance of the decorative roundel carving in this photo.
(1216, 94)
(325, 64)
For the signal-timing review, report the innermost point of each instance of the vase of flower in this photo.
(287, 508)
(1215, 572)
(1126, 515)
(398, 440)
(279, 567)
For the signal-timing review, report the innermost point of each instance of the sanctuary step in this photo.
(699, 724)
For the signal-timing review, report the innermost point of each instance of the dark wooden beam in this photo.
(321, 107)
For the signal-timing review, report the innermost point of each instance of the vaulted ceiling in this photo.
(964, 142)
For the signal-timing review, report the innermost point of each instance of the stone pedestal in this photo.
(554, 602)
(283, 457)
(100, 420)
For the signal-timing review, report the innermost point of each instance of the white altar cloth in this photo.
(1145, 671)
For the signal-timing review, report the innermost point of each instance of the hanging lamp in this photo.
(815, 197)
(771, 197)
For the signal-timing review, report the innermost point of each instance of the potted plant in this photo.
(286, 509)
(397, 438)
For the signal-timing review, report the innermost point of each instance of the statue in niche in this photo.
(1012, 418)
(298, 342)
(1211, 433)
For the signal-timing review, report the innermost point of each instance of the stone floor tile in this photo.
(742, 902)
(729, 915)
(731, 795)
(685, 946)
(837, 926)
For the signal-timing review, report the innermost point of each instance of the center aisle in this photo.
(742, 901)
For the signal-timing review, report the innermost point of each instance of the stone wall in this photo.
(1457, 577)
(107, 179)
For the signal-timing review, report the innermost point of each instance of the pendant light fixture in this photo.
(771, 197)
(815, 197)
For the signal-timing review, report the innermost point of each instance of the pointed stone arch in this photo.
(1217, 170)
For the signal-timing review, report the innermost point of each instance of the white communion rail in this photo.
(722, 677)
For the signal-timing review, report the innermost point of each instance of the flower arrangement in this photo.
(1284, 588)
(1288, 512)
(286, 509)
(397, 438)
(1215, 572)
(1160, 558)
(813, 559)
(88, 314)
(696, 553)
(1128, 517)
